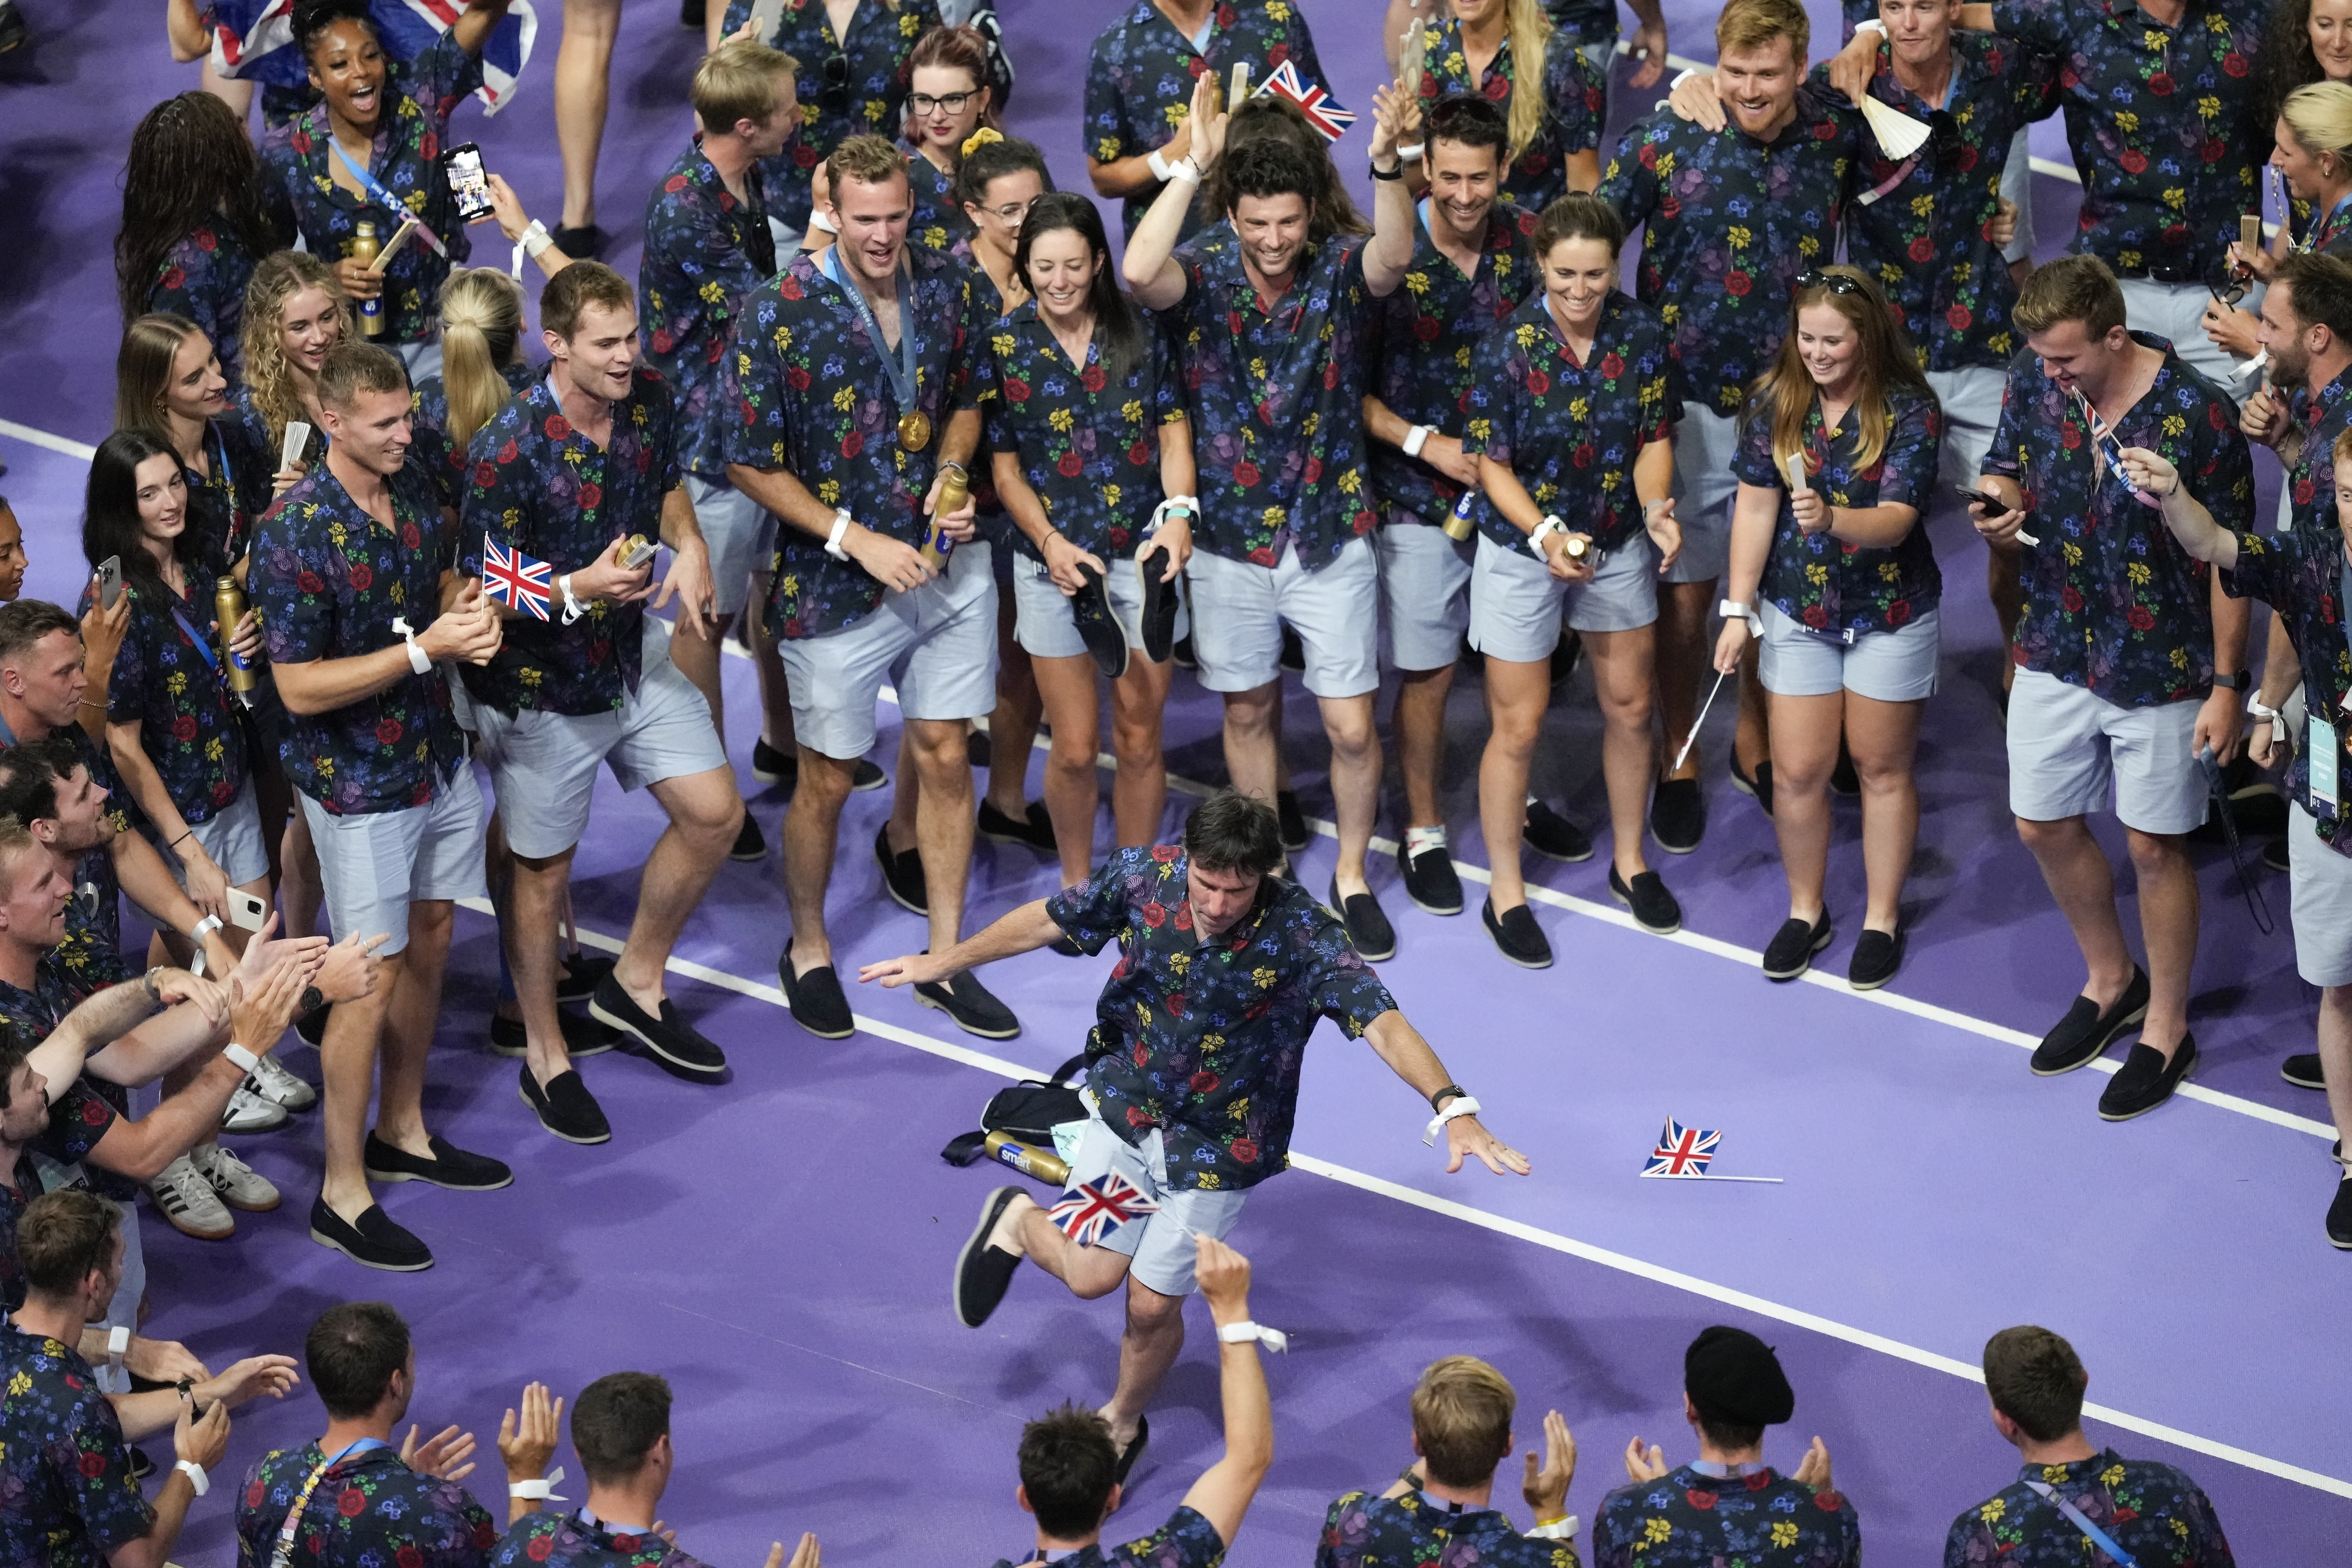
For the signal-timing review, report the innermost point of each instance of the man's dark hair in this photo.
(1469, 121)
(63, 1238)
(1268, 167)
(30, 772)
(567, 297)
(618, 1420)
(1233, 832)
(1068, 1465)
(27, 621)
(2036, 1379)
(353, 1351)
(2319, 291)
(14, 1046)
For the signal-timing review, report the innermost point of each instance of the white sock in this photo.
(1419, 839)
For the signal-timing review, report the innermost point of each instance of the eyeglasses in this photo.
(836, 68)
(1012, 212)
(924, 103)
(1835, 282)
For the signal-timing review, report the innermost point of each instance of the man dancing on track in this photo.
(1192, 1079)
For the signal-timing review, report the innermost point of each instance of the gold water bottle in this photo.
(229, 608)
(1460, 527)
(364, 248)
(955, 488)
(1045, 1165)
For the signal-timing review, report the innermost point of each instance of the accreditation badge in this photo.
(2320, 752)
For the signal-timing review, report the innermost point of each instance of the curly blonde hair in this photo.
(281, 275)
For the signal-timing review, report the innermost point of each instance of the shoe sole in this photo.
(1428, 908)
(2137, 1018)
(323, 1239)
(2302, 1082)
(1561, 859)
(770, 776)
(957, 1019)
(375, 1175)
(1025, 842)
(901, 901)
(784, 978)
(524, 1096)
(1828, 936)
(2134, 1116)
(1690, 848)
(276, 1198)
(677, 1064)
(515, 1052)
(1653, 930)
(240, 1128)
(753, 859)
(858, 787)
(1874, 985)
(990, 1213)
(196, 1235)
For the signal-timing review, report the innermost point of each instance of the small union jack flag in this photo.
(516, 581)
(1322, 110)
(1096, 1209)
(1682, 1151)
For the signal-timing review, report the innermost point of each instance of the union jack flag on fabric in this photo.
(1098, 1207)
(1322, 110)
(515, 579)
(253, 40)
(1682, 1152)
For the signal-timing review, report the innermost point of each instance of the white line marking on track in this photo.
(27, 433)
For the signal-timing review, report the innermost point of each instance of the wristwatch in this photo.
(1436, 1096)
(2237, 683)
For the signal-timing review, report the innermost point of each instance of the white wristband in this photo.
(1544, 531)
(210, 923)
(572, 608)
(1159, 170)
(195, 1474)
(1731, 607)
(1871, 25)
(1412, 154)
(1186, 169)
(1460, 1105)
(416, 657)
(1243, 1333)
(840, 528)
(1190, 506)
(539, 1491)
(534, 239)
(244, 1058)
(1416, 438)
(118, 1343)
(1557, 1530)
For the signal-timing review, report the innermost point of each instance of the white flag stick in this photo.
(1692, 739)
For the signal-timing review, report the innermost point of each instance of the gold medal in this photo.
(914, 430)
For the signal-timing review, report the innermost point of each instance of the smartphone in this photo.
(109, 581)
(297, 441)
(1985, 498)
(247, 911)
(462, 166)
(637, 550)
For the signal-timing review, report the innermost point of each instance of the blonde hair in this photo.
(481, 334)
(869, 160)
(281, 275)
(1528, 25)
(1787, 391)
(1749, 25)
(143, 371)
(2070, 289)
(2320, 115)
(1462, 1411)
(737, 81)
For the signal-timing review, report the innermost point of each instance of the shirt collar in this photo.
(2074, 1470)
(1721, 1472)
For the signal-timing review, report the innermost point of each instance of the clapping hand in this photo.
(1546, 1488)
(1649, 1464)
(445, 1457)
(350, 969)
(803, 1556)
(527, 1442)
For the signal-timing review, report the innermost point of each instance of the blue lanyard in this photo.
(2319, 224)
(2075, 1516)
(203, 645)
(220, 455)
(383, 198)
(905, 386)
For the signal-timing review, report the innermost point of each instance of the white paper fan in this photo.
(1897, 132)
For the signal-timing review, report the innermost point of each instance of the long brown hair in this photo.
(481, 332)
(143, 371)
(1787, 391)
(281, 275)
(190, 165)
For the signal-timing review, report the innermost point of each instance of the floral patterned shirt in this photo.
(2299, 573)
(1691, 1520)
(79, 1117)
(2112, 603)
(1927, 240)
(2151, 1510)
(2311, 481)
(1140, 72)
(1575, 99)
(1428, 330)
(1088, 448)
(1186, 1540)
(813, 399)
(1205, 1040)
(428, 430)
(1364, 1530)
(229, 497)
(1586, 21)
(1277, 402)
(202, 279)
(1568, 431)
(368, 1509)
(300, 192)
(543, 487)
(328, 579)
(869, 92)
(937, 223)
(173, 688)
(1826, 584)
(91, 955)
(2156, 117)
(1727, 223)
(545, 1540)
(67, 1498)
(246, 432)
(705, 253)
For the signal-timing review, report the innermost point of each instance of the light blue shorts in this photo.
(374, 865)
(741, 536)
(1705, 487)
(232, 836)
(937, 645)
(1424, 591)
(1894, 667)
(1162, 1244)
(2067, 746)
(1517, 604)
(1044, 625)
(1239, 610)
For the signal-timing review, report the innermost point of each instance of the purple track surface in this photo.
(779, 1247)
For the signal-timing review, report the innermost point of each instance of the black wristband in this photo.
(1395, 173)
(2237, 683)
(1454, 1088)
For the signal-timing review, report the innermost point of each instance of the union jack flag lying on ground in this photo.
(1322, 110)
(1096, 1209)
(1682, 1151)
(253, 40)
(516, 581)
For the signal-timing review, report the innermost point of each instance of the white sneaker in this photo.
(238, 1184)
(186, 1199)
(250, 1112)
(273, 1083)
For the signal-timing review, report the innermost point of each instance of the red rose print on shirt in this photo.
(591, 495)
(1699, 1499)
(352, 1503)
(558, 427)
(1246, 474)
(362, 576)
(851, 444)
(1071, 466)
(675, 184)
(1245, 1150)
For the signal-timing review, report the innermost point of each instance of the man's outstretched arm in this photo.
(1024, 930)
(1402, 1048)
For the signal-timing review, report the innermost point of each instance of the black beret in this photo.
(1733, 1378)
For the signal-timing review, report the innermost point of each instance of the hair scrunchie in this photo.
(980, 137)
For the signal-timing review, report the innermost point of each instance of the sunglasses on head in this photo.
(836, 68)
(1835, 282)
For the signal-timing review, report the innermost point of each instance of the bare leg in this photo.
(2167, 926)
(944, 824)
(2336, 1054)
(1751, 742)
(2004, 584)
(1252, 749)
(347, 1057)
(1804, 753)
(1421, 741)
(1356, 794)
(1517, 695)
(584, 67)
(1073, 793)
(812, 831)
(531, 910)
(775, 693)
(1884, 737)
(1685, 660)
(698, 659)
(1155, 1335)
(2084, 884)
(1012, 725)
(300, 890)
(907, 793)
(408, 1026)
(1139, 791)
(705, 814)
(1624, 667)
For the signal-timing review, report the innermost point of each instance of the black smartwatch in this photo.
(312, 999)
(1454, 1088)
(2237, 683)
(1395, 173)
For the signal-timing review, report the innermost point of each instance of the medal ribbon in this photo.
(905, 387)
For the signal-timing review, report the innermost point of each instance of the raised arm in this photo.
(105, 1017)
(474, 26)
(1223, 1494)
(1150, 267)
(1390, 255)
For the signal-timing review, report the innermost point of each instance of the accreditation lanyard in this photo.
(284, 1554)
(383, 198)
(901, 376)
(2321, 226)
(2075, 1516)
(2320, 751)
